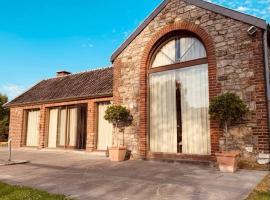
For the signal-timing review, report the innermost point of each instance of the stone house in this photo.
(185, 53)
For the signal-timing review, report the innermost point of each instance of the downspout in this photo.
(266, 61)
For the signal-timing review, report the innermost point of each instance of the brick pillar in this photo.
(42, 128)
(91, 126)
(16, 127)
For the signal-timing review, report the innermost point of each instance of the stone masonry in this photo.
(239, 63)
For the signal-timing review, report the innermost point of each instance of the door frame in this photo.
(25, 129)
(66, 146)
(97, 123)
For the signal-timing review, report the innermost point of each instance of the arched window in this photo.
(178, 49)
(179, 97)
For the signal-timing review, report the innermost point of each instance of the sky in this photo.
(40, 37)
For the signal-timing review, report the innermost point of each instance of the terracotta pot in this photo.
(117, 154)
(228, 161)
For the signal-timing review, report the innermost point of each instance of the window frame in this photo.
(179, 64)
(149, 70)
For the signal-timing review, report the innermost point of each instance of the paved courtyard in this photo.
(91, 176)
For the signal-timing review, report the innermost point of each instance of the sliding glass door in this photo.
(179, 102)
(67, 127)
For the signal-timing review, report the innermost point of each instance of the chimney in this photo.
(62, 73)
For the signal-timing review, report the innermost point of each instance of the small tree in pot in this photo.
(228, 109)
(120, 117)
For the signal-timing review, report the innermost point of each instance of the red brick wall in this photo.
(17, 122)
(261, 115)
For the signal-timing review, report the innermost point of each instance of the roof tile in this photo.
(75, 86)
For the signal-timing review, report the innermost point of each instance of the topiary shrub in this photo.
(227, 109)
(119, 116)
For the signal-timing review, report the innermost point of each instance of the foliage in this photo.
(228, 108)
(262, 192)
(118, 115)
(9, 192)
(4, 117)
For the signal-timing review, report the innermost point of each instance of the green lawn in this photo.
(262, 192)
(8, 192)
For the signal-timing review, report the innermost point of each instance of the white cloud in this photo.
(87, 45)
(127, 33)
(12, 90)
(259, 8)
(242, 8)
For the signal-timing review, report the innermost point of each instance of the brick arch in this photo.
(214, 87)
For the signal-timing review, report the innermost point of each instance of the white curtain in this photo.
(53, 122)
(62, 127)
(72, 126)
(105, 128)
(194, 107)
(163, 122)
(32, 138)
(179, 50)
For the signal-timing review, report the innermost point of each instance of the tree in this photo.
(228, 109)
(4, 118)
(119, 116)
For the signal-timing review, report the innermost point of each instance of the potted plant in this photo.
(120, 117)
(227, 109)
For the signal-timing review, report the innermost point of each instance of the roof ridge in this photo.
(94, 83)
(78, 73)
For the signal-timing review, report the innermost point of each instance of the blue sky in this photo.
(40, 37)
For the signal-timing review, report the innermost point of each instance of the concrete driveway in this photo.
(89, 176)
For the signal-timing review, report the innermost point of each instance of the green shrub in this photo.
(228, 109)
(118, 115)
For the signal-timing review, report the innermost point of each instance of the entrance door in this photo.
(105, 129)
(32, 129)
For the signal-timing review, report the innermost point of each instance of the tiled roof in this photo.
(90, 84)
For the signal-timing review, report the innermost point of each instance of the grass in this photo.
(8, 192)
(262, 192)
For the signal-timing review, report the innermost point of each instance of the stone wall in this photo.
(240, 69)
(17, 122)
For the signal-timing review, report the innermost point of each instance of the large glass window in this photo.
(179, 100)
(179, 50)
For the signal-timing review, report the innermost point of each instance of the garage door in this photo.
(105, 129)
(32, 134)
